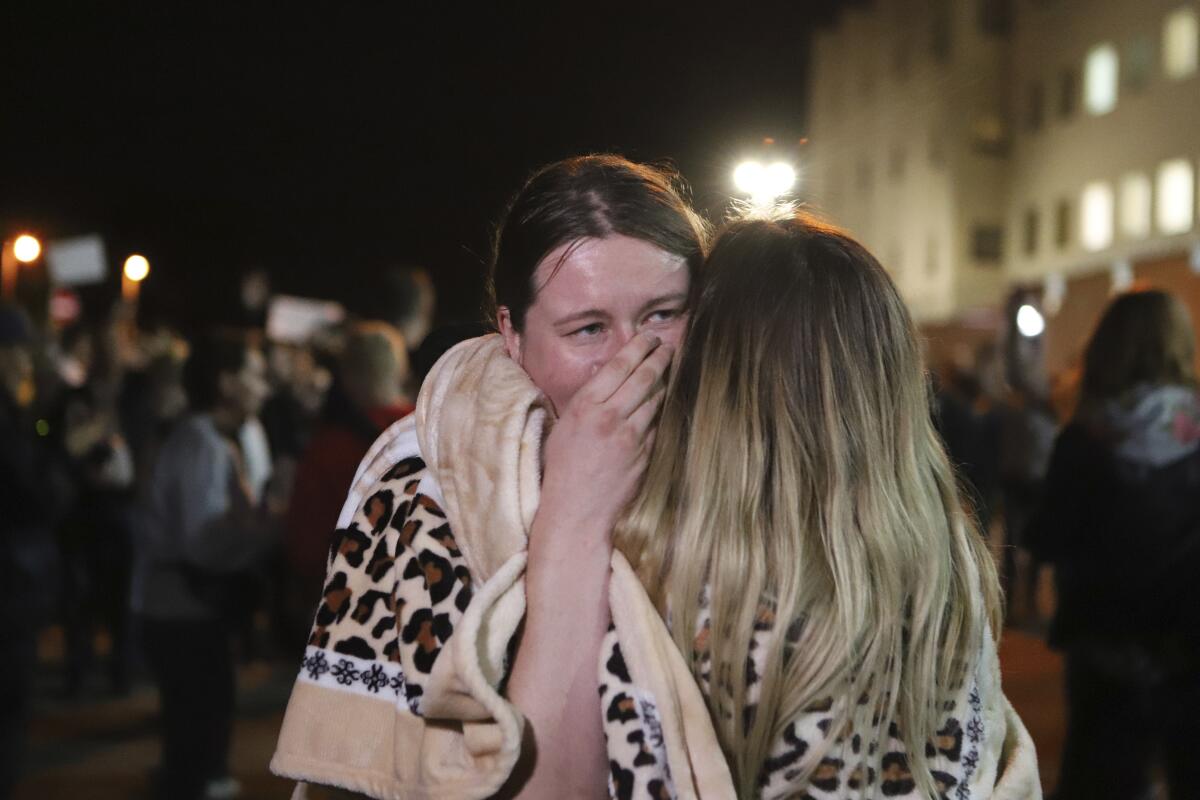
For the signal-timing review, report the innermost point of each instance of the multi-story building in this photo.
(982, 145)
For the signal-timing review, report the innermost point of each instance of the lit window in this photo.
(1176, 196)
(1135, 206)
(1181, 39)
(1100, 79)
(1096, 216)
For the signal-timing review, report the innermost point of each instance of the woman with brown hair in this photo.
(1121, 524)
(589, 283)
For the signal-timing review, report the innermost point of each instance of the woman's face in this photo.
(606, 291)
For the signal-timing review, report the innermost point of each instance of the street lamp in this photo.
(25, 249)
(765, 183)
(135, 271)
(1030, 321)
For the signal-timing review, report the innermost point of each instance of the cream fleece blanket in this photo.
(480, 424)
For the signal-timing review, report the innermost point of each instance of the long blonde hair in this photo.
(796, 480)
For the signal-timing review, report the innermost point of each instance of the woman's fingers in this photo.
(642, 418)
(613, 375)
(642, 383)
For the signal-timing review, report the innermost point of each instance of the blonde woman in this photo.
(801, 532)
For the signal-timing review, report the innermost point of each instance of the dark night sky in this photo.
(324, 142)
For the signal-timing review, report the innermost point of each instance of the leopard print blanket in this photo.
(381, 704)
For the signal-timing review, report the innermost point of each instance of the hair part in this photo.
(796, 479)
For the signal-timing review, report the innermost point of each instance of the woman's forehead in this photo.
(611, 270)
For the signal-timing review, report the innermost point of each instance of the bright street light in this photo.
(748, 177)
(27, 248)
(764, 183)
(135, 271)
(1030, 321)
(137, 268)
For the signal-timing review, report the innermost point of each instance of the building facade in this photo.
(981, 145)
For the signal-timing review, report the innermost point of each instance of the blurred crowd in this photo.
(171, 497)
(174, 496)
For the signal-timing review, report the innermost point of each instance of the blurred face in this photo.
(246, 390)
(605, 292)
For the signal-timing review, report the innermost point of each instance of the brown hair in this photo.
(1144, 337)
(586, 197)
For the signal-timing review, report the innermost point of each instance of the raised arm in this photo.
(595, 458)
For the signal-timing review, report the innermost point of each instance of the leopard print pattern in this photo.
(637, 755)
(396, 587)
(639, 769)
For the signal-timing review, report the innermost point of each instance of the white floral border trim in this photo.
(378, 679)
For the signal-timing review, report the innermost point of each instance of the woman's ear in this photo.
(512, 339)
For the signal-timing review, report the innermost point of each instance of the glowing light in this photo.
(748, 177)
(764, 183)
(27, 248)
(1030, 321)
(779, 179)
(137, 268)
(1100, 79)
(1096, 215)
(1176, 196)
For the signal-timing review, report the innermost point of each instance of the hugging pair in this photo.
(682, 529)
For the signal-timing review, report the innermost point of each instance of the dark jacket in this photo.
(1124, 537)
(33, 490)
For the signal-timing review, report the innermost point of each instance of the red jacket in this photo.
(322, 479)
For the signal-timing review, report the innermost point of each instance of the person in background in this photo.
(31, 491)
(1028, 427)
(438, 342)
(405, 298)
(970, 427)
(202, 523)
(369, 397)
(299, 386)
(1120, 521)
(96, 537)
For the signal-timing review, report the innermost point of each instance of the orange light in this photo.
(137, 268)
(27, 248)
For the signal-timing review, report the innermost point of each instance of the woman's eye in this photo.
(663, 315)
(588, 330)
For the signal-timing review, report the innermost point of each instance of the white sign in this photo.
(74, 262)
(295, 319)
